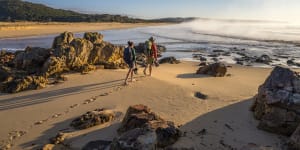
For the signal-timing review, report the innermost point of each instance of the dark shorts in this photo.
(130, 64)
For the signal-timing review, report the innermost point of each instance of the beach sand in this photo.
(23, 29)
(169, 92)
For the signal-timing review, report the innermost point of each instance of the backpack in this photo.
(127, 56)
(148, 48)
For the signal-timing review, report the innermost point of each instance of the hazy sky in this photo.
(284, 10)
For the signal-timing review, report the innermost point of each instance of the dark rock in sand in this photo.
(216, 70)
(170, 60)
(145, 129)
(265, 59)
(291, 62)
(93, 118)
(277, 104)
(58, 139)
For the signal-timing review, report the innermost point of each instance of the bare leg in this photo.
(130, 70)
(150, 70)
(131, 75)
(145, 69)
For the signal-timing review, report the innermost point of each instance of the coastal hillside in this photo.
(18, 10)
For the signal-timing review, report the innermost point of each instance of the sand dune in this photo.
(225, 115)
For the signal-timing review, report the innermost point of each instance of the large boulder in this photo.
(216, 70)
(94, 37)
(277, 104)
(147, 130)
(93, 118)
(32, 59)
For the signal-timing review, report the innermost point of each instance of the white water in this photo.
(201, 36)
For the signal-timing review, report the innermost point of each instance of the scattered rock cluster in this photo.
(215, 69)
(31, 68)
(277, 104)
(141, 129)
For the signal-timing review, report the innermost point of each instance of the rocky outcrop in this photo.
(93, 118)
(143, 129)
(277, 104)
(170, 60)
(216, 70)
(31, 68)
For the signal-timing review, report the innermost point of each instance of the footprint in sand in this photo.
(56, 115)
(74, 106)
(89, 101)
(104, 94)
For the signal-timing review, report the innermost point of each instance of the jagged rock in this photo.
(97, 145)
(94, 37)
(78, 54)
(54, 66)
(264, 59)
(216, 70)
(170, 60)
(107, 54)
(277, 103)
(93, 118)
(63, 40)
(26, 83)
(6, 58)
(140, 123)
(136, 139)
(294, 143)
(54, 147)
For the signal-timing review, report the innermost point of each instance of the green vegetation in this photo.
(17, 10)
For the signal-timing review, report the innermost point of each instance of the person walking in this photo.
(151, 54)
(129, 57)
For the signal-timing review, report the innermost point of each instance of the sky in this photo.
(277, 10)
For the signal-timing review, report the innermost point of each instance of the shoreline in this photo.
(31, 29)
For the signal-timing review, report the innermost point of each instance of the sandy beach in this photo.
(169, 92)
(24, 29)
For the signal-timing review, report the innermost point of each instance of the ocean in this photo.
(229, 41)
